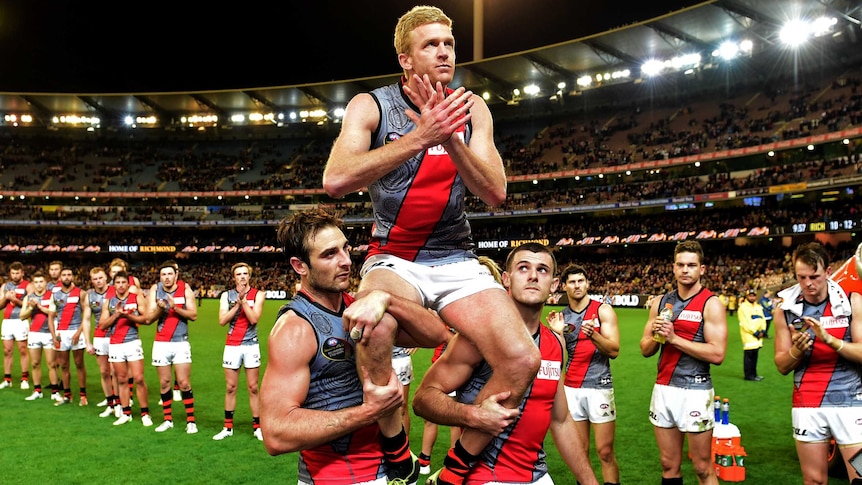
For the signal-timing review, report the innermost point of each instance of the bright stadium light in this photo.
(651, 67)
(727, 50)
(794, 33)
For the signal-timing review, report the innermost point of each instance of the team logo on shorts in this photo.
(337, 349)
(694, 414)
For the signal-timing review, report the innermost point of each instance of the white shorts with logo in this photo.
(593, 405)
(438, 285)
(168, 353)
(817, 425)
(14, 329)
(690, 410)
(126, 351)
(403, 366)
(40, 340)
(66, 343)
(236, 356)
(102, 345)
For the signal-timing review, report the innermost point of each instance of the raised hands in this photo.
(440, 115)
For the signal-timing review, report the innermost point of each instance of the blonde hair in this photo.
(493, 267)
(415, 17)
(240, 265)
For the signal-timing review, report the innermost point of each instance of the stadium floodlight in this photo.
(652, 67)
(338, 112)
(129, 121)
(727, 50)
(795, 33)
(822, 26)
(531, 89)
(584, 81)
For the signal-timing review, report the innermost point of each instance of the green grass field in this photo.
(71, 444)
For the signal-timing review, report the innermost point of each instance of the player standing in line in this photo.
(171, 303)
(97, 294)
(116, 266)
(818, 330)
(692, 322)
(516, 453)
(122, 313)
(13, 330)
(241, 308)
(54, 269)
(592, 337)
(73, 334)
(39, 308)
(419, 147)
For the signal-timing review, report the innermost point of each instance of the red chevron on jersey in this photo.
(20, 293)
(69, 308)
(39, 320)
(240, 324)
(172, 319)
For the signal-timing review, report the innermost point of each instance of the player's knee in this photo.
(606, 454)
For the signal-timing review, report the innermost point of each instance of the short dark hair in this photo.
(689, 247)
(570, 270)
(812, 254)
(532, 247)
(296, 230)
(169, 264)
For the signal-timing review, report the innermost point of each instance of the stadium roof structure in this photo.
(554, 70)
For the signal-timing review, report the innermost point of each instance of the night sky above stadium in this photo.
(86, 47)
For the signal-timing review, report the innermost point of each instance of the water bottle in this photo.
(725, 411)
(717, 406)
(665, 314)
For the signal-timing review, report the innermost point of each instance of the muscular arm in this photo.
(451, 371)
(607, 339)
(189, 310)
(352, 165)
(480, 164)
(789, 344)
(714, 334)
(289, 427)
(649, 346)
(253, 310)
(225, 311)
(85, 318)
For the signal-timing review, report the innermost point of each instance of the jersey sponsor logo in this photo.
(72, 299)
(691, 316)
(835, 322)
(549, 370)
(439, 150)
(337, 349)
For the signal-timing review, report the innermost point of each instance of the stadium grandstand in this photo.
(719, 122)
